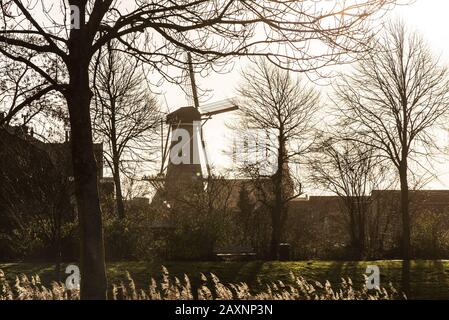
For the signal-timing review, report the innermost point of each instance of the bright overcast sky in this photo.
(429, 17)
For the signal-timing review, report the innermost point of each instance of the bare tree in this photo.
(392, 101)
(158, 33)
(22, 94)
(352, 171)
(274, 102)
(125, 113)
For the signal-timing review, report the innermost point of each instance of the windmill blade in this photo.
(192, 81)
(222, 106)
(203, 147)
(165, 148)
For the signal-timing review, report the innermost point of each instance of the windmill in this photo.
(187, 175)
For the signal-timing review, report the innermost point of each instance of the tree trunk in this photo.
(361, 208)
(277, 213)
(58, 245)
(406, 252)
(275, 235)
(118, 189)
(405, 278)
(92, 258)
(116, 161)
(361, 236)
(352, 226)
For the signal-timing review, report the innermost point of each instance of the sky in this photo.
(428, 17)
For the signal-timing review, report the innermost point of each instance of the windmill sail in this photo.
(196, 104)
(222, 106)
(196, 101)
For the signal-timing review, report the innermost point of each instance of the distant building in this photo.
(318, 226)
(43, 163)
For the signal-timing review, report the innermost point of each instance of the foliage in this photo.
(128, 238)
(253, 223)
(31, 243)
(31, 211)
(430, 235)
(211, 288)
(195, 221)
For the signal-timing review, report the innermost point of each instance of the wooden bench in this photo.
(235, 253)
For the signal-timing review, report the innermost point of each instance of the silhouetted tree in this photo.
(23, 95)
(391, 102)
(125, 114)
(351, 170)
(272, 101)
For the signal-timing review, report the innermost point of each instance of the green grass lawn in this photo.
(429, 279)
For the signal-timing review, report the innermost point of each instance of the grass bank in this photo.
(429, 279)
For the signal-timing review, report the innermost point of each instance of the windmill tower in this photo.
(188, 162)
(185, 174)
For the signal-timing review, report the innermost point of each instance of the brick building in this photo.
(318, 225)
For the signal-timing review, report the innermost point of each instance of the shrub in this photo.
(128, 238)
(430, 234)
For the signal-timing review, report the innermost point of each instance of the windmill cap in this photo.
(185, 114)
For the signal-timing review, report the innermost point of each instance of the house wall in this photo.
(318, 227)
